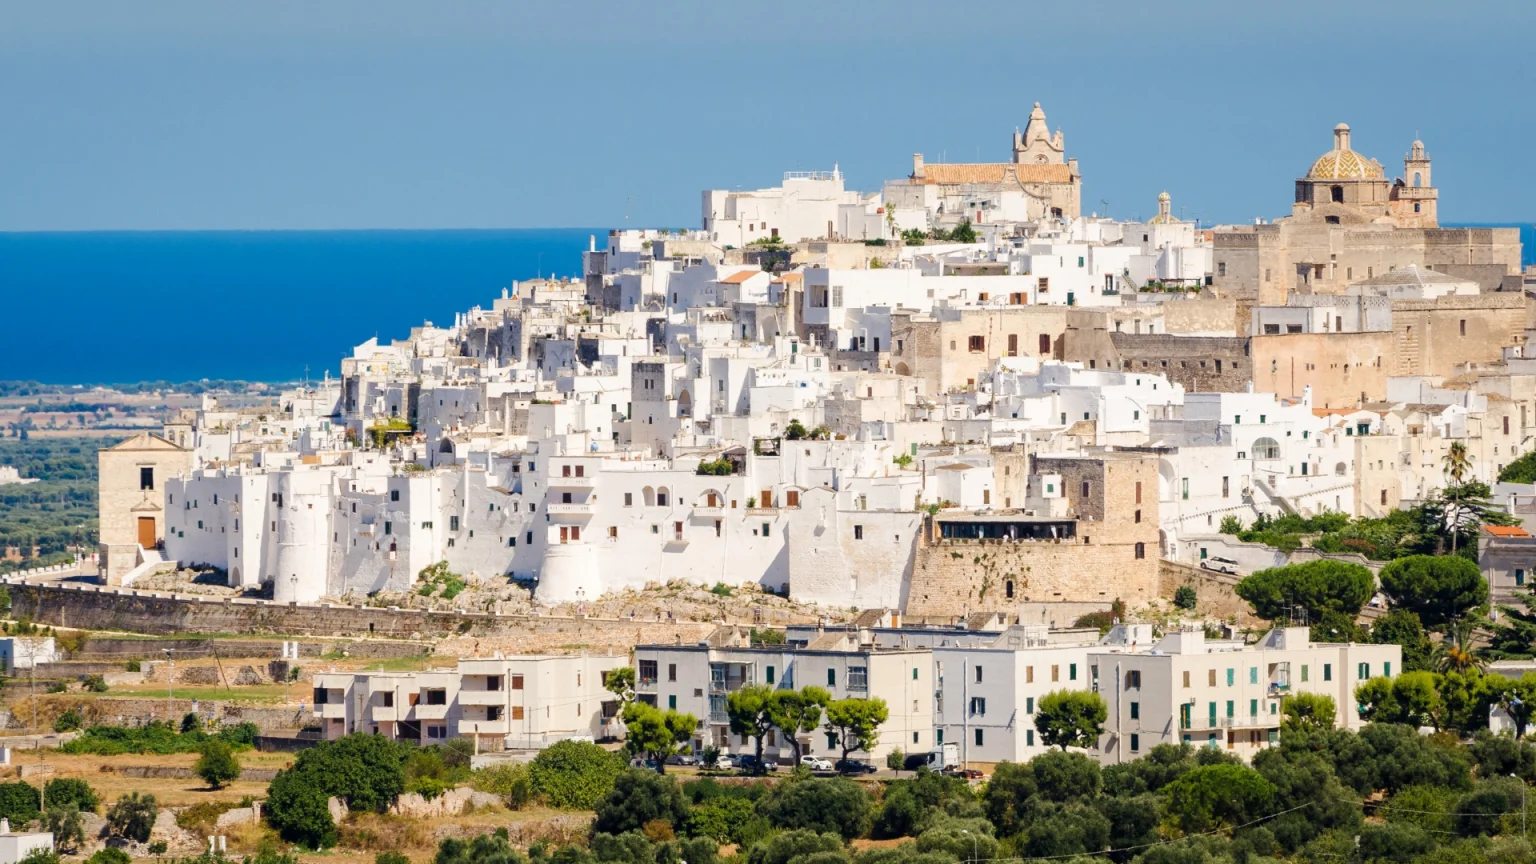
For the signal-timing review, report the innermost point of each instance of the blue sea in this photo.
(122, 307)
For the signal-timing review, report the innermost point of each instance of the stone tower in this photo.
(1036, 145)
(1414, 197)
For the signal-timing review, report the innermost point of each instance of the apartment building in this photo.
(985, 696)
(523, 702)
(698, 680)
(1187, 689)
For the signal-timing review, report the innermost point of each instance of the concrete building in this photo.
(698, 680)
(524, 702)
(1227, 695)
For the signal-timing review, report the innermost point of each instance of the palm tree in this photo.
(1455, 652)
(1456, 467)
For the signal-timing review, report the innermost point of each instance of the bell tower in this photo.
(1414, 197)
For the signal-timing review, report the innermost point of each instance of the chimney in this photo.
(917, 166)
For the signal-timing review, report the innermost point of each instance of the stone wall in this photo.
(1341, 368)
(1202, 364)
(96, 608)
(1214, 590)
(961, 577)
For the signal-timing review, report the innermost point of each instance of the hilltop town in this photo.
(954, 447)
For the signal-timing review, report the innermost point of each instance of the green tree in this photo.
(367, 772)
(799, 846)
(19, 802)
(1308, 711)
(1070, 718)
(726, 819)
(1312, 587)
(750, 711)
(856, 722)
(1438, 588)
(963, 232)
(1184, 597)
(1403, 628)
(1007, 796)
(133, 817)
(1217, 796)
(1064, 777)
(109, 855)
(64, 823)
(836, 805)
(217, 765)
(620, 681)
(71, 790)
(896, 760)
(656, 734)
(574, 775)
(1513, 635)
(1410, 698)
(638, 799)
(1457, 651)
(959, 839)
(798, 712)
(1516, 696)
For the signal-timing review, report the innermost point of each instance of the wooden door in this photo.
(565, 534)
(147, 531)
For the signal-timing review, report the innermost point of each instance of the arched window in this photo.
(661, 497)
(1337, 193)
(1266, 448)
(1418, 179)
(649, 496)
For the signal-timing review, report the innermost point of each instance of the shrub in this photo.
(366, 771)
(40, 856)
(726, 820)
(390, 857)
(133, 816)
(837, 806)
(217, 765)
(1185, 597)
(201, 818)
(509, 781)
(95, 683)
(109, 855)
(68, 721)
(157, 848)
(190, 723)
(72, 790)
(574, 775)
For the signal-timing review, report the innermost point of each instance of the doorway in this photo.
(147, 531)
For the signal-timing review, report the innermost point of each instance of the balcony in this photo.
(331, 711)
(568, 509)
(704, 511)
(383, 713)
(482, 697)
(570, 482)
(1206, 724)
(483, 727)
(423, 711)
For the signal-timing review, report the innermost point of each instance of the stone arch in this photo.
(234, 577)
(1339, 469)
(684, 404)
(648, 494)
(662, 499)
(710, 498)
(1418, 179)
(903, 369)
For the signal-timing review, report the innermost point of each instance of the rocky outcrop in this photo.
(454, 802)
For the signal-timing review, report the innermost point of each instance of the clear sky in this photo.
(189, 114)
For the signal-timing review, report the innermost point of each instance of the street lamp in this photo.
(974, 854)
(1522, 804)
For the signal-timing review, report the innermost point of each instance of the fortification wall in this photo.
(958, 578)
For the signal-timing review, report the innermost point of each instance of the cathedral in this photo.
(1039, 184)
(1349, 223)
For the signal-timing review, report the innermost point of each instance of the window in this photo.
(146, 478)
(1029, 674)
(671, 671)
(1327, 671)
(672, 702)
(1135, 710)
(1055, 672)
(978, 706)
(977, 344)
(437, 696)
(1386, 668)
(647, 672)
(1133, 679)
(1029, 737)
(1210, 677)
(1186, 677)
(1230, 713)
(1221, 268)
(453, 523)
(1141, 551)
(1304, 670)
(914, 673)
(1231, 676)
(1253, 674)
(1138, 494)
(1135, 742)
(978, 674)
(1013, 344)
(1072, 672)
(858, 532)
(1363, 671)
(831, 677)
(1184, 488)
(1029, 705)
(858, 678)
(768, 675)
(1519, 576)
(980, 737)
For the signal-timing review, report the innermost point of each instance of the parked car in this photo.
(1220, 565)
(647, 764)
(725, 762)
(815, 763)
(685, 759)
(749, 762)
(853, 766)
(967, 773)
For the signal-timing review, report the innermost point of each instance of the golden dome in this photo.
(1342, 163)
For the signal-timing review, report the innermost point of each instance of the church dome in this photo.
(1342, 163)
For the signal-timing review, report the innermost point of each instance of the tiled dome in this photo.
(1342, 163)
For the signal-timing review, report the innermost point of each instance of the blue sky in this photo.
(391, 114)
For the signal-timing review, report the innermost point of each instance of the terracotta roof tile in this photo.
(1506, 531)
(740, 276)
(994, 172)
